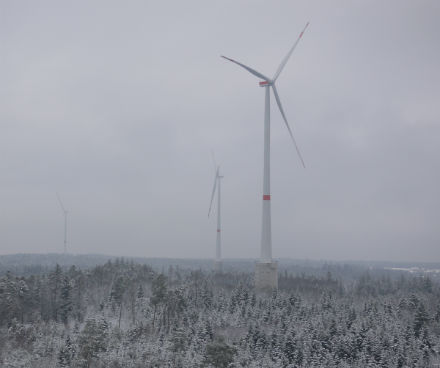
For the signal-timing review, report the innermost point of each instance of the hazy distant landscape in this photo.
(26, 264)
(61, 310)
(231, 184)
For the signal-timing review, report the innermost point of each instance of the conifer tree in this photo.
(219, 354)
(159, 291)
(66, 354)
(65, 300)
(420, 319)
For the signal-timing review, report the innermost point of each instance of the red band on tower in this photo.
(218, 230)
(266, 197)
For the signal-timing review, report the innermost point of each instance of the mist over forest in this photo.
(169, 313)
(317, 242)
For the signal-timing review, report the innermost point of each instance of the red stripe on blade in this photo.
(266, 197)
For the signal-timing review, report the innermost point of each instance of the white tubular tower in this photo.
(65, 232)
(65, 212)
(218, 264)
(266, 232)
(266, 274)
(218, 244)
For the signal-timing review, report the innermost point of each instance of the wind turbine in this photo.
(266, 272)
(218, 246)
(65, 212)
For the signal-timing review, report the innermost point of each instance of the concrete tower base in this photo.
(266, 276)
(218, 266)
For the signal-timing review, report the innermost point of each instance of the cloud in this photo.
(117, 107)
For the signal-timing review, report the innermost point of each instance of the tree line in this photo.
(123, 314)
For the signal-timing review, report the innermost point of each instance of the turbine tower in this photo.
(65, 212)
(218, 246)
(266, 275)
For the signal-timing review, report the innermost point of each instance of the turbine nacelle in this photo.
(265, 83)
(266, 271)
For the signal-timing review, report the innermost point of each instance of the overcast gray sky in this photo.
(117, 104)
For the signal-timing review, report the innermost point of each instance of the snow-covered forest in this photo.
(126, 314)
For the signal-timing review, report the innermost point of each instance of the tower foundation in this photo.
(266, 276)
(218, 266)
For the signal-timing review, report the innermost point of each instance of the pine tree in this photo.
(290, 348)
(24, 298)
(9, 300)
(117, 294)
(65, 300)
(93, 340)
(140, 292)
(66, 354)
(55, 279)
(420, 319)
(219, 354)
(159, 292)
(178, 340)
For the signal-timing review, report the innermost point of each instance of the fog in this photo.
(116, 106)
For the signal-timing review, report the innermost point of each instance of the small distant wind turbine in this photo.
(65, 212)
(217, 182)
(266, 238)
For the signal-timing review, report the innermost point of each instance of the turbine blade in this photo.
(213, 190)
(213, 160)
(284, 62)
(250, 70)
(61, 203)
(287, 124)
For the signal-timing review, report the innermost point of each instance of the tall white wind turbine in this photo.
(266, 271)
(65, 212)
(218, 245)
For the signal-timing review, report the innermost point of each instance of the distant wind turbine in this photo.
(65, 212)
(217, 185)
(266, 272)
